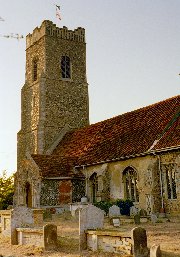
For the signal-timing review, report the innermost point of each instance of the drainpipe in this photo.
(84, 169)
(161, 184)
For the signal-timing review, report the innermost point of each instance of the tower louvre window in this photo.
(35, 69)
(65, 67)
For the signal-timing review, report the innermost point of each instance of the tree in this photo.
(6, 190)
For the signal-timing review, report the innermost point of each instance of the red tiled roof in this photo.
(51, 166)
(125, 135)
(172, 137)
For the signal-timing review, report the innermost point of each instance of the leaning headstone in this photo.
(154, 218)
(139, 242)
(114, 211)
(133, 210)
(155, 251)
(21, 217)
(90, 217)
(50, 236)
(137, 219)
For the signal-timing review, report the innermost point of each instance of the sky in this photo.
(133, 56)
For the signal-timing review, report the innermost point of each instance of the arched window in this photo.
(94, 187)
(171, 184)
(65, 67)
(35, 69)
(130, 184)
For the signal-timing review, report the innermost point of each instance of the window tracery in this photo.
(65, 67)
(130, 184)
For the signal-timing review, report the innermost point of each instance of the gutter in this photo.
(149, 152)
(60, 178)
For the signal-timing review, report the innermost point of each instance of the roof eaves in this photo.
(131, 156)
(168, 126)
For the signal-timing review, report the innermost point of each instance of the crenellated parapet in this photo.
(48, 28)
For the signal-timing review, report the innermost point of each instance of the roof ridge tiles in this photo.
(138, 109)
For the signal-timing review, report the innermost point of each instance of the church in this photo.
(61, 157)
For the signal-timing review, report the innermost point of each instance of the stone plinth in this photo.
(38, 216)
(30, 236)
(5, 222)
(45, 236)
(109, 241)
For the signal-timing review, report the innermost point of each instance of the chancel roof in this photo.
(152, 127)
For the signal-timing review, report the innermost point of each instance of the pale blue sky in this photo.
(133, 56)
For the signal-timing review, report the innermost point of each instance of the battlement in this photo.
(48, 28)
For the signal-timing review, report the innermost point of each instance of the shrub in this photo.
(6, 190)
(103, 205)
(124, 206)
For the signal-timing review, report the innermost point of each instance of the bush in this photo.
(103, 205)
(124, 206)
(6, 190)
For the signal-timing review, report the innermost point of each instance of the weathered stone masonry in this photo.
(51, 102)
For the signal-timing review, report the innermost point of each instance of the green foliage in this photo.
(6, 190)
(103, 205)
(124, 206)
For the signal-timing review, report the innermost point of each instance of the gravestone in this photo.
(90, 217)
(114, 211)
(137, 219)
(133, 211)
(142, 213)
(50, 236)
(139, 242)
(155, 251)
(116, 222)
(21, 217)
(154, 218)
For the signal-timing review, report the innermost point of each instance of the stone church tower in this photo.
(55, 94)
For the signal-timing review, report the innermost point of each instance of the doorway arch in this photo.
(28, 191)
(94, 186)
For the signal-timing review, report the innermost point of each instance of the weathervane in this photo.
(58, 15)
